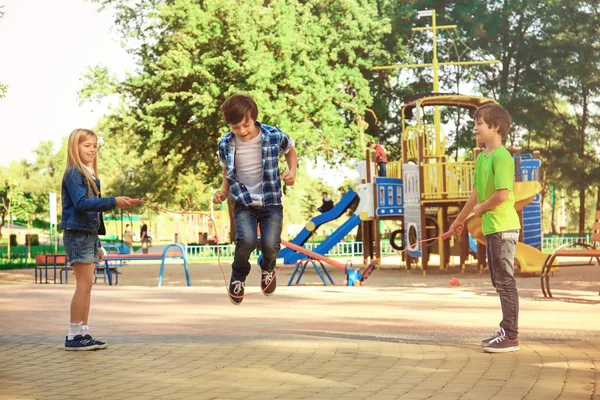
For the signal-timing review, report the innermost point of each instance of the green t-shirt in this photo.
(493, 172)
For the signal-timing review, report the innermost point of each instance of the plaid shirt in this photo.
(275, 143)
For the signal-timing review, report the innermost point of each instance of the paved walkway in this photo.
(401, 336)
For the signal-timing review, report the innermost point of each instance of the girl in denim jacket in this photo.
(82, 208)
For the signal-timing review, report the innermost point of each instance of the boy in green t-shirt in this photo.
(493, 200)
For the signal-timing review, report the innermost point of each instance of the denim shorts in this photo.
(81, 247)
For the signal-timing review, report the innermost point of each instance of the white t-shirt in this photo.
(249, 168)
(90, 170)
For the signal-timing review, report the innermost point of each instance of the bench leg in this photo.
(160, 273)
(108, 272)
(187, 272)
(542, 280)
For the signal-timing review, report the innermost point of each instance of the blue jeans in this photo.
(501, 263)
(247, 219)
(382, 168)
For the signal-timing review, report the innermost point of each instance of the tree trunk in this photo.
(581, 212)
(553, 219)
(584, 121)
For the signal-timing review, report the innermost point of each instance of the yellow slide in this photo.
(529, 258)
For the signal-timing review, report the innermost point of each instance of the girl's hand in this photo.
(123, 202)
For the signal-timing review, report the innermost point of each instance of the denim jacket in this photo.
(80, 212)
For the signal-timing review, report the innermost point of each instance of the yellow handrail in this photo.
(447, 180)
(432, 148)
(394, 169)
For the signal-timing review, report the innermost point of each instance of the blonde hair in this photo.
(73, 160)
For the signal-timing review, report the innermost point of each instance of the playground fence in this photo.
(344, 249)
(349, 249)
(551, 243)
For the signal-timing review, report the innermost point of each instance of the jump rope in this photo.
(443, 236)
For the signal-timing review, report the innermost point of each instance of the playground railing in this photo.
(431, 147)
(447, 180)
(343, 249)
(394, 169)
(551, 243)
(347, 249)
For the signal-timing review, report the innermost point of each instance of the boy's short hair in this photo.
(324, 193)
(236, 107)
(495, 116)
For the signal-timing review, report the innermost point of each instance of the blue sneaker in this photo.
(79, 343)
(101, 345)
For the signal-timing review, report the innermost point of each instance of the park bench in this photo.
(58, 263)
(147, 257)
(55, 262)
(568, 250)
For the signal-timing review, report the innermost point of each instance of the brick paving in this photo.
(401, 336)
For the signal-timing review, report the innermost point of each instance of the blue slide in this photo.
(340, 233)
(319, 220)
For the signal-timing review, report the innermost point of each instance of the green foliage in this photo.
(304, 62)
(309, 206)
(33, 240)
(3, 88)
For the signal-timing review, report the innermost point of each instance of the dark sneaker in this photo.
(499, 332)
(79, 343)
(268, 282)
(236, 291)
(502, 344)
(101, 345)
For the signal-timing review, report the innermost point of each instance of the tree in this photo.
(546, 79)
(576, 43)
(4, 203)
(3, 88)
(301, 60)
(309, 206)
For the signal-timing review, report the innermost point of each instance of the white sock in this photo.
(84, 330)
(74, 330)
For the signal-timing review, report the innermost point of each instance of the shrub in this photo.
(32, 240)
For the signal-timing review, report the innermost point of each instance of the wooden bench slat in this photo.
(578, 253)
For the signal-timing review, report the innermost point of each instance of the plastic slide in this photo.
(305, 234)
(327, 244)
(529, 258)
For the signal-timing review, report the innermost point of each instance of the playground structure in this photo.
(426, 190)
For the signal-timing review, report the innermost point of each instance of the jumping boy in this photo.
(249, 155)
(493, 200)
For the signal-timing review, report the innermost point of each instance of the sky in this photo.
(45, 49)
